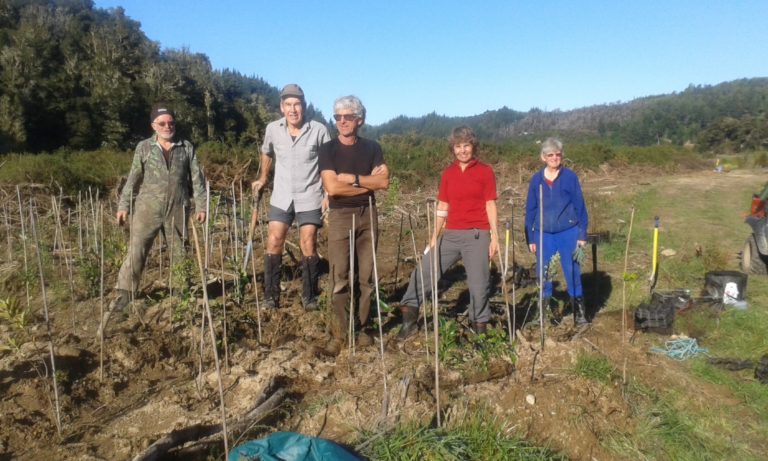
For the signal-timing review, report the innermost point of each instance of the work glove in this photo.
(579, 255)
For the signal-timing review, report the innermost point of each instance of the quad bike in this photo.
(754, 256)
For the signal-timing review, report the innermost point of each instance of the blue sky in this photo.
(465, 57)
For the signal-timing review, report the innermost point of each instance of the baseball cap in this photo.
(160, 109)
(292, 90)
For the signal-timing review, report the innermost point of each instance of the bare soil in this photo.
(151, 384)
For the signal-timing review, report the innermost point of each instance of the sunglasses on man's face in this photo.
(345, 117)
(163, 124)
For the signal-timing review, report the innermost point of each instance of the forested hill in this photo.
(78, 77)
(710, 115)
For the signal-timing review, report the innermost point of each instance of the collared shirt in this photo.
(164, 184)
(466, 193)
(297, 176)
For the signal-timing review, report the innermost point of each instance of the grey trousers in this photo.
(471, 246)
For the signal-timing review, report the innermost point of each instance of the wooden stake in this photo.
(624, 281)
(47, 317)
(506, 301)
(541, 264)
(397, 259)
(213, 342)
(101, 294)
(435, 277)
(24, 245)
(420, 266)
(224, 304)
(256, 294)
(8, 233)
(385, 404)
(65, 254)
(352, 286)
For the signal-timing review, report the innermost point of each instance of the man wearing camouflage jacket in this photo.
(164, 172)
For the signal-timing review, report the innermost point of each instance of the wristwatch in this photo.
(357, 181)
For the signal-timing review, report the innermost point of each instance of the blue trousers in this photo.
(565, 243)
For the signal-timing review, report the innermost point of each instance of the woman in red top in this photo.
(465, 228)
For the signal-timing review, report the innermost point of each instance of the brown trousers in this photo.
(339, 225)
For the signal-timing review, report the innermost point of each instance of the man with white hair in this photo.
(352, 168)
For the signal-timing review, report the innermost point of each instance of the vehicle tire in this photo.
(752, 262)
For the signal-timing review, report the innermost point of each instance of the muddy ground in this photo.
(150, 383)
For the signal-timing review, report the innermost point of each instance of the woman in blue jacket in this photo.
(565, 223)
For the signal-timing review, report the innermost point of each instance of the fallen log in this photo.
(263, 406)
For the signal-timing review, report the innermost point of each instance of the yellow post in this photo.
(654, 260)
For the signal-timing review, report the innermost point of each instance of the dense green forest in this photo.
(80, 77)
(77, 77)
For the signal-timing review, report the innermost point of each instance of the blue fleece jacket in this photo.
(564, 205)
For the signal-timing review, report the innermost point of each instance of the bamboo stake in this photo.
(101, 295)
(93, 217)
(80, 223)
(206, 234)
(541, 263)
(224, 304)
(506, 302)
(351, 285)
(87, 229)
(397, 259)
(213, 343)
(514, 297)
(8, 233)
(65, 253)
(47, 317)
(134, 283)
(160, 258)
(234, 216)
(385, 404)
(170, 256)
(624, 281)
(256, 293)
(435, 269)
(420, 266)
(24, 245)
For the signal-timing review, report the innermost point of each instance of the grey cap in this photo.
(292, 90)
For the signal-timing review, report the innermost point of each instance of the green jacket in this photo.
(153, 183)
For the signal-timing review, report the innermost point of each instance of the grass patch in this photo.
(667, 427)
(474, 436)
(742, 384)
(594, 367)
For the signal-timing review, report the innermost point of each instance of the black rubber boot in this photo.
(410, 322)
(273, 268)
(310, 267)
(579, 311)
